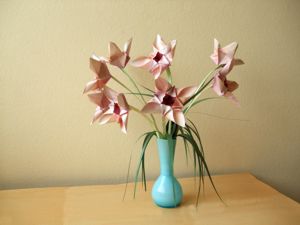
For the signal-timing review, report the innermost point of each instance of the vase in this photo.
(166, 191)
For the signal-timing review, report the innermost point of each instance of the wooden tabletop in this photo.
(248, 201)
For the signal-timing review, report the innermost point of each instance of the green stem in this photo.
(163, 122)
(196, 97)
(137, 88)
(134, 83)
(201, 87)
(142, 94)
(169, 74)
(120, 83)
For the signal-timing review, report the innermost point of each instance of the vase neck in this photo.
(166, 150)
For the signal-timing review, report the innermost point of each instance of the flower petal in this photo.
(99, 68)
(97, 114)
(179, 118)
(231, 85)
(127, 46)
(238, 62)
(160, 45)
(169, 114)
(171, 53)
(91, 85)
(215, 55)
(185, 93)
(105, 118)
(230, 49)
(142, 61)
(219, 86)
(114, 49)
(152, 107)
(162, 85)
(122, 102)
(123, 121)
(110, 94)
(96, 98)
(231, 97)
(156, 71)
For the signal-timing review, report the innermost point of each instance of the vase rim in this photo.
(166, 139)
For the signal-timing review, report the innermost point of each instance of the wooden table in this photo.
(248, 200)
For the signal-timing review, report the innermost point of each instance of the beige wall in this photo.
(45, 135)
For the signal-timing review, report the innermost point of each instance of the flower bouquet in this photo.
(167, 100)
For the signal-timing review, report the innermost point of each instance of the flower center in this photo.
(168, 100)
(117, 109)
(158, 57)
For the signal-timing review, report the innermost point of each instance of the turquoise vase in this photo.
(166, 191)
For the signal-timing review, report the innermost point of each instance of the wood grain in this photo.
(248, 201)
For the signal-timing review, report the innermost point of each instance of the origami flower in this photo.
(169, 101)
(111, 107)
(159, 59)
(99, 67)
(225, 56)
(117, 57)
(224, 87)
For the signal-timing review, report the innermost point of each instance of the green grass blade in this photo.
(148, 137)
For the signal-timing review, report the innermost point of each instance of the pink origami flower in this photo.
(99, 67)
(224, 87)
(225, 56)
(111, 107)
(159, 59)
(169, 101)
(117, 57)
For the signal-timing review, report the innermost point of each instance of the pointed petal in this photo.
(152, 107)
(169, 114)
(123, 123)
(232, 85)
(127, 46)
(216, 44)
(97, 114)
(90, 86)
(96, 98)
(215, 55)
(238, 62)
(178, 104)
(230, 49)
(99, 68)
(110, 93)
(114, 49)
(160, 45)
(185, 93)
(162, 85)
(179, 118)
(218, 86)
(119, 60)
(227, 68)
(122, 102)
(231, 97)
(172, 50)
(105, 118)
(156, 71)
(142, 61)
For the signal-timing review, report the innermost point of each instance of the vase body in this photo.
(166, 191)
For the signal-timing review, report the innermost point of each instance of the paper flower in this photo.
(111, 107)
(117, 57)
(225, 56)
(169, 101)
(99, 67)
(159, 59)
(224, 87)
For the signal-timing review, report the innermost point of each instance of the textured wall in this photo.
(45, 136)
